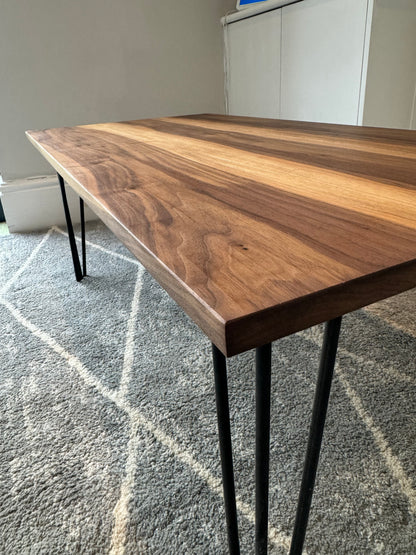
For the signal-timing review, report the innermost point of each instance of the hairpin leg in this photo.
(84, 252)
(263, 379)
(224, 432)
(72, 243)
(323, 388)
(263, 385)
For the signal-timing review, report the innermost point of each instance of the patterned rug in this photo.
(108, 423)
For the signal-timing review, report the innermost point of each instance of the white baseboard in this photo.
(33, 204)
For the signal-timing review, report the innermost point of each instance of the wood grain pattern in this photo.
(257, 228)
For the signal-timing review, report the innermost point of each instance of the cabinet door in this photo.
(390, 99)
(253, 65)
(322, 60)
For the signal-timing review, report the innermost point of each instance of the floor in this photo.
(110, 442)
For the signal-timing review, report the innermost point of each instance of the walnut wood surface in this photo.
(257, 228)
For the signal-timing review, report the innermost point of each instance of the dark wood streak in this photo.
(402, 137)
(248, 259)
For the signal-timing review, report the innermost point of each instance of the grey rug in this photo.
(108, 424)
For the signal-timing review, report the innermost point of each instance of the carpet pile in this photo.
(108, 424)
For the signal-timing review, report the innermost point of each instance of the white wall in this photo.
(392, 65)
(413, 124)
(82, 61)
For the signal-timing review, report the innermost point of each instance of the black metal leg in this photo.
(71, 236)
(263, 382)
(224, 432)
(320, 405)
(84, 252)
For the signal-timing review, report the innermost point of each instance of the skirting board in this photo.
(33, 204)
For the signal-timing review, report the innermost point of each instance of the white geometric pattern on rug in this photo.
(138, 421)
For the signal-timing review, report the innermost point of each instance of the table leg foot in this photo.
(263, 384)
(224, 432)
(72, 243)
(323, 388)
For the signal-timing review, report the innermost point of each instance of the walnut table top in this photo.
(258, 228)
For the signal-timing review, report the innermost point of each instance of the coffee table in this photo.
(258, 228)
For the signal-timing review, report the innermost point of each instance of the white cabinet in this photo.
(391, 76)
(336, 61)
(321, 60)
(253, 61)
